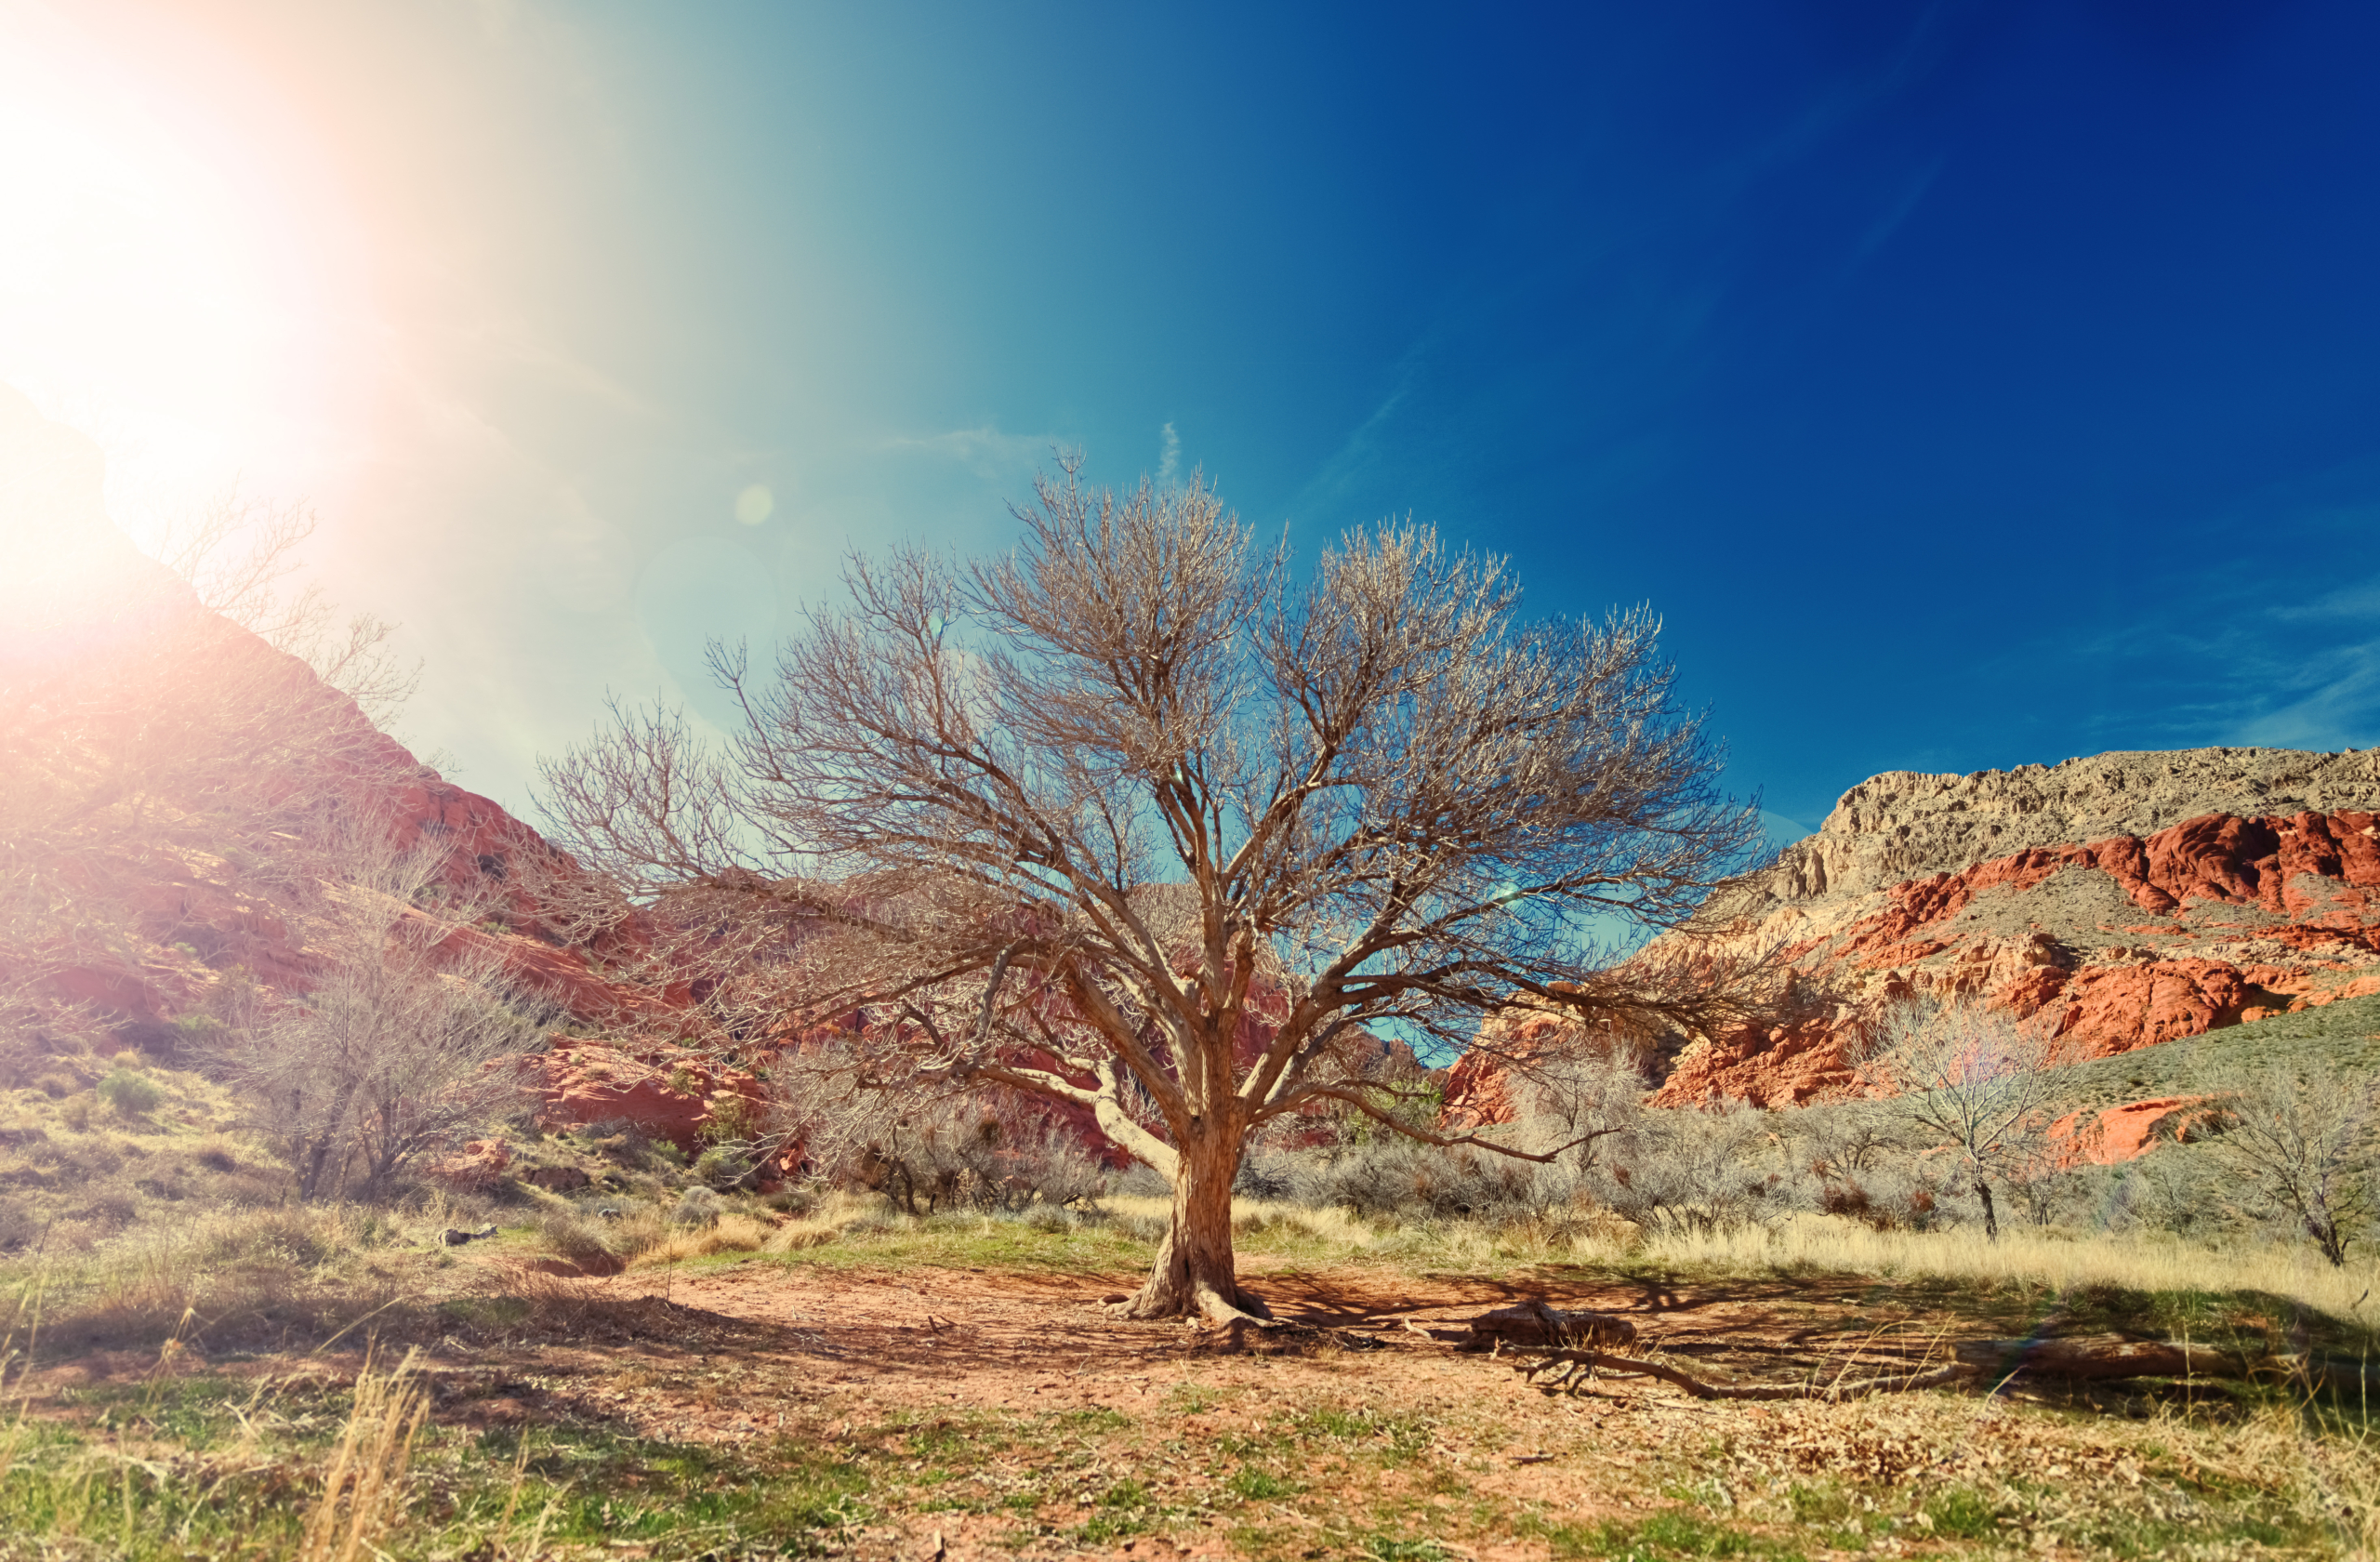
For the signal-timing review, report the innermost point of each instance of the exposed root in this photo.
(1205, 1303)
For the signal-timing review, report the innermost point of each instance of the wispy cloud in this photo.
(2337, 704)
(1359, 451)
(983, 450)
(1885, 227)
(1169, 461)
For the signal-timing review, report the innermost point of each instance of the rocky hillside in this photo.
(2127, 899)
(170, 775)
(2134, 897)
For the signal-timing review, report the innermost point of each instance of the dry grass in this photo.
(1831, 1244)
(729, 1233)
(1828, 1244)
(363, 1488)
(2279, 1459)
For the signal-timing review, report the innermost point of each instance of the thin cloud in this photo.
(2339, 707)
(1168, 461)
(983, 450)
(1891, 222)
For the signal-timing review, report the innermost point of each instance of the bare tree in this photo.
(401, 1042)
(2297, 1129)
(1980, 1078)
(1139, 819)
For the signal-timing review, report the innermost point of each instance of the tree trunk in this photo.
(1195, 1274)
(1990, 1219)
(2324, 1228)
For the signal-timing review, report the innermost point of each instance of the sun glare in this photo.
(163, 286)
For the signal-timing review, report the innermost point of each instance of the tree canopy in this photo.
(1141, 818)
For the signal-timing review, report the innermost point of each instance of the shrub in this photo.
(583, 1242)
(130, 1095)
(732, 1119)
(696, 1206)
(393, 1055)
(1696, 1172)
(934, 1153)
(1403, 1178)
(723, 1167)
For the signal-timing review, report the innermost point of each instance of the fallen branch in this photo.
(1570, 1369)
(1533, 1324)
(2100, 1358)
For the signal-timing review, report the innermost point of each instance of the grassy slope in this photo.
(2346, 1032)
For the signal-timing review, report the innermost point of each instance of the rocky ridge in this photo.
(2125, 900)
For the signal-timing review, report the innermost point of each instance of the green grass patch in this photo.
(1253, 1485)
(1665, 1537)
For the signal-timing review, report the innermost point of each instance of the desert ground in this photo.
(876, 1393)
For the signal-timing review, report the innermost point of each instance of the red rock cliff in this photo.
(2128, 899)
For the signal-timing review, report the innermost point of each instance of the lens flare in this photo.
(166, 278)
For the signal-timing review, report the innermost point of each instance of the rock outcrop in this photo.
(2124, 900)
(179, 787)
(668, 1093)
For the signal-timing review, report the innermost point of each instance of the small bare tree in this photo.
(2297, 1131)
(1137, 819)
(399, 1044)
(1980, 1078)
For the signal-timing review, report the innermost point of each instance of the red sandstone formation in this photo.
(476, 1167)
(2120, 1133)
(669, 1092)
(2125, 900)
(2117, 939)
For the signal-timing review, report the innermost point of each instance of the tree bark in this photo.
(1194, 1274)
(2324, 1229)
(1990, 1218)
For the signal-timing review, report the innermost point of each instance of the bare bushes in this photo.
(1695, 1172)
(2295, 1133)
(1862, 1162)
(1666, 1172)
(399, 1047)
(1399, 1178)
(929, 1150)
(1979, 1081)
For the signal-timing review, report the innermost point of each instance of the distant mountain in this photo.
(2129, 898)
(2126, 900)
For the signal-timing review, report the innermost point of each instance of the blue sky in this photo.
(1968, 385)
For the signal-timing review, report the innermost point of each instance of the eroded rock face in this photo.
(2115, 1135)
(668, 1093)
(2128, 899)
(2125, 900)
